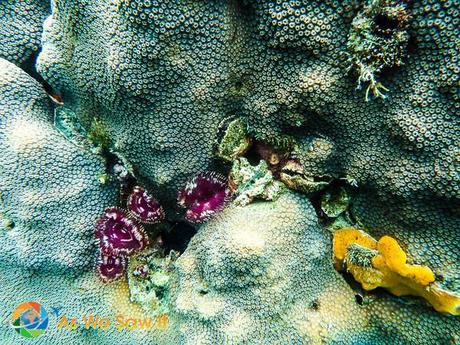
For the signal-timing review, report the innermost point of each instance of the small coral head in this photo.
(142, 206)
(203, 196)
(111, 268)
(118, 234)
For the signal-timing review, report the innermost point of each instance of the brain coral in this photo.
(161, 80)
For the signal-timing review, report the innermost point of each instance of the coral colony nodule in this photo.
(230, 172)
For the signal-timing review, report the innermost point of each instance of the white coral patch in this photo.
(239, 326)
(209, 305)
(26, 135)
(184, 300)
(248, 238)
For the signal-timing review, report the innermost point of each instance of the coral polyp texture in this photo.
(231, 172)
(21, 26)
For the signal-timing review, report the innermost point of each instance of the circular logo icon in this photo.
(30, 319)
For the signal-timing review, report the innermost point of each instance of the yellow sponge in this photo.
(384, 264)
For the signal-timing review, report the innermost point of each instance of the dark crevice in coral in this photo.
(323, 219)
(177, 237)
(314, 305)
(275, 158)
(202, 292)
(253, 156)
(115, 167)
(362, 297)
(386, 24)
(359, 299)
(244, 9)
(47, 87)
(29, 66)
(412, 45)
(388, 72)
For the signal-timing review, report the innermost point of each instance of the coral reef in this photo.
(154, 93)
(263, 274)
(138, 73)
(50, 198)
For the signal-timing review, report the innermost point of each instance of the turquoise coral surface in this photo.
(322, 114)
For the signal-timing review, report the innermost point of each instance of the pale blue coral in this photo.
(50, 189)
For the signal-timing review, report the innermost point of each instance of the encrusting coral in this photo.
(263, 95)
